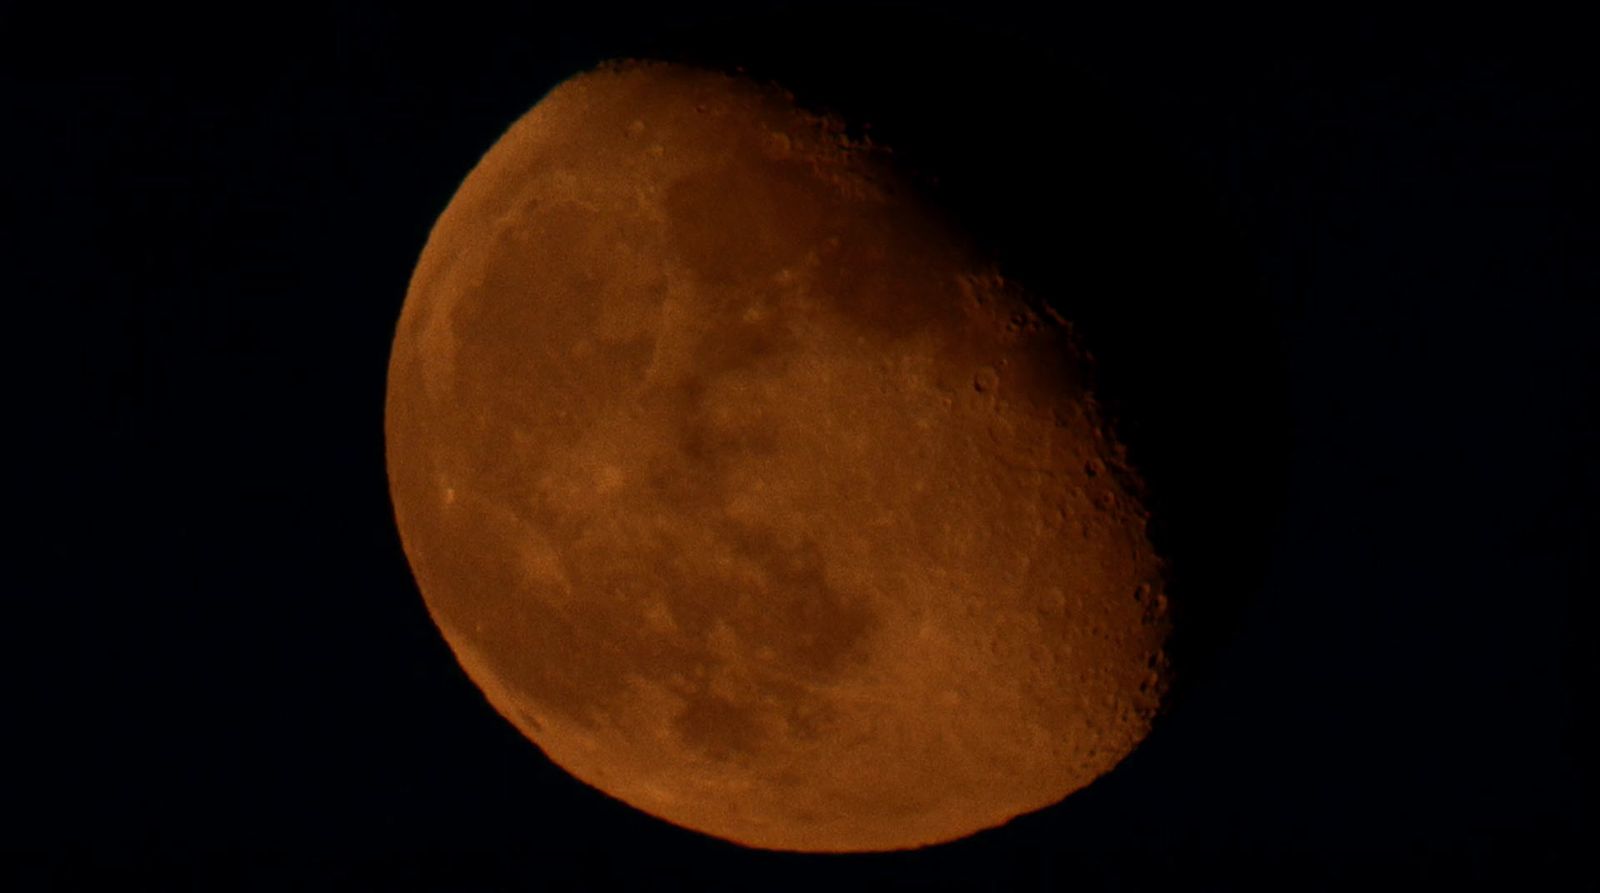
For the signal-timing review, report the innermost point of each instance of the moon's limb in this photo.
(744, 489)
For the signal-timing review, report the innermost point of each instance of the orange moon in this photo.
(752, 494)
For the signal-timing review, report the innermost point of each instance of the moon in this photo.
(751, 493)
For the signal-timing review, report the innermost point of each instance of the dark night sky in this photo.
(1340, 273)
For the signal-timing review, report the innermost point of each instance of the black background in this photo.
(1338, 270)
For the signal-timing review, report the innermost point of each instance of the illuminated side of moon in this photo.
(748, 493)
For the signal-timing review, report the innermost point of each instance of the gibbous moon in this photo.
(749, 492)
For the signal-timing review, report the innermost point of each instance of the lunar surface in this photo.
(752, 495)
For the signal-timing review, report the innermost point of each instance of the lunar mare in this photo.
(753, 496)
